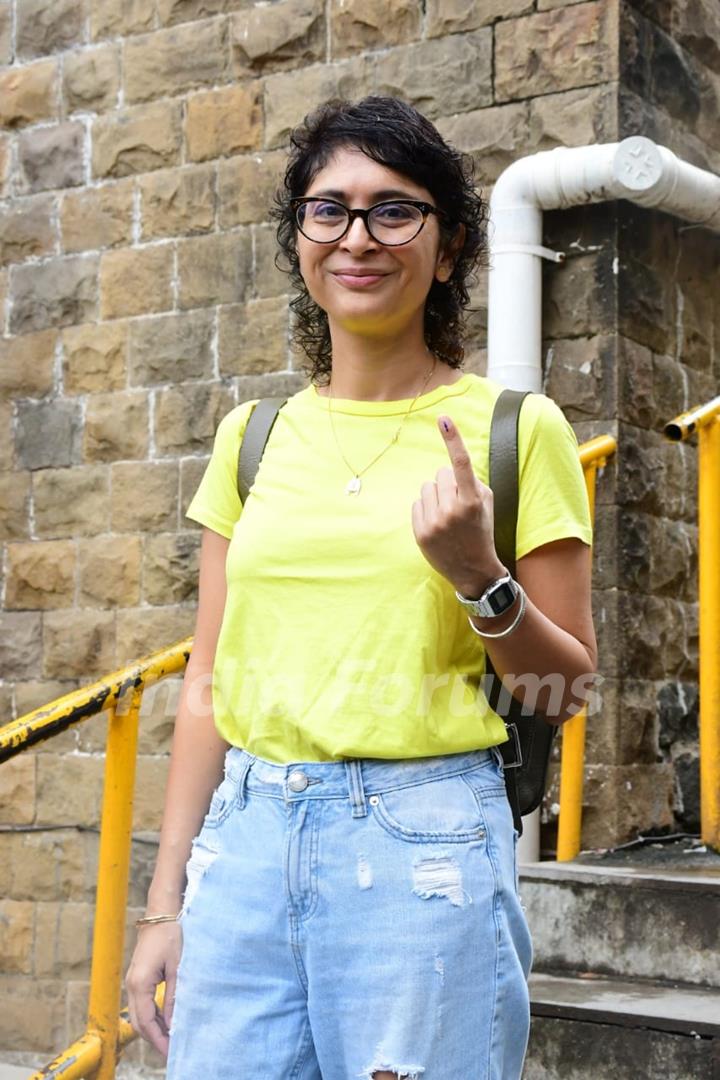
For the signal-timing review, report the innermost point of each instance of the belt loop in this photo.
(247, 761)
(355, 787)
(497, 754)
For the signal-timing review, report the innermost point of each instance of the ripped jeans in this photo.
(346, 917)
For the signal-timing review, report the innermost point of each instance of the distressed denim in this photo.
(346, 917)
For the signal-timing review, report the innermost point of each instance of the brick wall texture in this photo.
(140, 141)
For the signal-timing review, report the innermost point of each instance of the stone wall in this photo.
(139, 302)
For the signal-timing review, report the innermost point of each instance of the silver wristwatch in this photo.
(497, 598)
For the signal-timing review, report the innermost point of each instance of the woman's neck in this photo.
(387, 378)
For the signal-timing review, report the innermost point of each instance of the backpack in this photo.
(526, 753)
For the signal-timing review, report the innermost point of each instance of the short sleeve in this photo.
(217, 503)
(553, 500)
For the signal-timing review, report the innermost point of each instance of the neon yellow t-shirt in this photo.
(339, 639)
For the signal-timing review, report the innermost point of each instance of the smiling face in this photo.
(364, 286)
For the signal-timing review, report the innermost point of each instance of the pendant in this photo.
(353, 486)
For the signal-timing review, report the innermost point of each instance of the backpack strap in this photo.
(503, 482)
(257, 432)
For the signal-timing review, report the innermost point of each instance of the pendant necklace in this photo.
(354, 484)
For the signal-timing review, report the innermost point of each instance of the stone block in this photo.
(144, 630)
(621, 801)
(28, 94)
(109, 571)
(40, 574)
(36, 693)
(91, 79)
(677, 705)
(136, 281)
(171, 12)
(70, 787)
(624, 730)
(47, 433)
(442, 76)
(253, 337)
(26, 229)
(669, 388)
(51, 157)
(117, 426)
(14, 505)
(224, 121)
(7, 450)
(73, 941)
(116, 18)
(151, 783)
(6, 45)
(177, 202)
(17, 926)
(59, 292)
(213, 269)
(556, 50)
(186, 417)
(246, 185)
(674, 559)
(137, 140)
(286, 34)
(580, 375)
(492, 136)
(33, 1017)
(100, 217)
(459, 16)
(20, 644)
(171, 348)
(356, 25)
(159, 708)
(94, 357)
(579, 297)
(170, 568)
(573, 118)
(172, 61)
(46, 26)
(269, 281)
(17, 791)
(144, 496)
(5, 163)
(77, 642)
(289, 96)
(71, 502)
(191, 473)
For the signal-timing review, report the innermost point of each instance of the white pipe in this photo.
(635, 169)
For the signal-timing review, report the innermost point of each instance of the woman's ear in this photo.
(446, 259)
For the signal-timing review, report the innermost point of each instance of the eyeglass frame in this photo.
(425, 208)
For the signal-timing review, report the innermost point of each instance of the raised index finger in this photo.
(459, 457)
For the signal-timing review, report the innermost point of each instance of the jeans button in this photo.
(297, 781)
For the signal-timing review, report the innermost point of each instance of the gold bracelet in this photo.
(148, 920)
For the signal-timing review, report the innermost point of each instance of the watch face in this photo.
(501, 599)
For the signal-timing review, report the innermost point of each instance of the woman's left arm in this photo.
(550, 658)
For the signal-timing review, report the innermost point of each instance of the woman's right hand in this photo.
(156, 958)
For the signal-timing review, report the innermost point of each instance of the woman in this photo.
(350, 906)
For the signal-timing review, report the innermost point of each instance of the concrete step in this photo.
(599, 1028)
(626, 921)
(15, 1072)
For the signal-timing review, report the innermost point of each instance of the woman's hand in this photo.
(156, 958)
(453, 521)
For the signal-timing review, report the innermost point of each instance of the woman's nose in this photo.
(357, 235)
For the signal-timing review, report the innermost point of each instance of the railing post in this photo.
(113, 875)
(709, 591)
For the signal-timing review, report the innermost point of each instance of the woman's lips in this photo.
(358, 281)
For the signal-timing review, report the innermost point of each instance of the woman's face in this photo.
(387, 305)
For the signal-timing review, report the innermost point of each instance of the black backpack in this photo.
(526, 753)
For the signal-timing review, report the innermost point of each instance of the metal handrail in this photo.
(120, 695)
(704, 420)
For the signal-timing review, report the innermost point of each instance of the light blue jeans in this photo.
(346, 917)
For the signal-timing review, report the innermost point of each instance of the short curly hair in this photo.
(397, 136)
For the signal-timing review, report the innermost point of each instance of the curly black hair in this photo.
(397, 136)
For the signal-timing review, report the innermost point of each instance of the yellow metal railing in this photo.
(119, 694)
(705, 420)
(593, 456)
(95, 1053)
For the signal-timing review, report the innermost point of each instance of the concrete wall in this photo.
(139, 303)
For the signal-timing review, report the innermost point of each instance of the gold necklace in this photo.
(353, 486)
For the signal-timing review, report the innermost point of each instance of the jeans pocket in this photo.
(223, 800)
(443, 809)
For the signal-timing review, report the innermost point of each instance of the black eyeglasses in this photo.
(391, 223)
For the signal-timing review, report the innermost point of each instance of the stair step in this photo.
(681, 1009)
(624, 921)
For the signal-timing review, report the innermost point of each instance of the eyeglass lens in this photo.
(389, 223)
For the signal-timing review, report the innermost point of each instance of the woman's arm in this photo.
(196, 762)
(549, 659)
